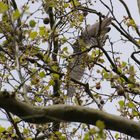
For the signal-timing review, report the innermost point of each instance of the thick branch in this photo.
(67, 113)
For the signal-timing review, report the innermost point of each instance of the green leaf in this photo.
(32, 23)
(55, 76)
(81, 18)
(130, 86)
(46, 58)
(121, 103)
(87, 137)
(97, 52)
(92, 131)
(58, 133)
(16, 14)
(63, 40)
(75, 2)
(41, 31)
(105, 75)
(124, 64)
(51, 83)
(116, 135)
(2, 129)
(52, 3)
(101, 61)
(42, 74)
(135, 113)
(38, 99)
(16, 120)
(13, 135)
(33, 35)
(28, 139)
(100, 124)
(119, 69)
(63, 137)
(131, 70)
(3, 7)
(131, 104)
(66, 5)
(55, 68)
(25, 131)
(65, 49)
(44, 32)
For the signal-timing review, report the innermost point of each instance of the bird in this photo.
(90, 36)
(76, 67)
(97, 32)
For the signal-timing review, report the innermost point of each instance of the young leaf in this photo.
(3, 7)
(16, 14)
(32, 23)
(33, 35)
(100, 124)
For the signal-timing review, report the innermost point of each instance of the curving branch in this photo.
(134, 58)
(66, 113)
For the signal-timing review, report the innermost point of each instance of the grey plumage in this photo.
(76, 68)
(97, 32)
(92, 35)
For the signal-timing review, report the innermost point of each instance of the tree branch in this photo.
(67, 113)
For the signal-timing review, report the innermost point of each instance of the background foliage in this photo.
(36, 39)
